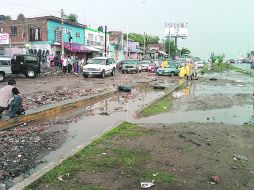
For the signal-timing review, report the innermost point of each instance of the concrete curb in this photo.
(137, 113)
(53, 109)
(37, 175)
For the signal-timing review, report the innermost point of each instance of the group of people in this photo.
(189, 69)
(10, 100)
(72, 64)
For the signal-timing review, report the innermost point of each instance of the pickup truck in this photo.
(100, 66)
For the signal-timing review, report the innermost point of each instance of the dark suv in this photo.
(28, 65)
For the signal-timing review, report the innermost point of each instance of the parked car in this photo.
(171, 70)
(145, 64)
(231, 61)
(26, 64)
(152, 67)
(5, 67)
(100, 66)
(132, 66)
(201, 64)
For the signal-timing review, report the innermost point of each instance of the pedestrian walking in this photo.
(65, 65)
(16, 104)
(188, 70)
(69, 64)
(195, 69)
(6, 95)
(209, 65)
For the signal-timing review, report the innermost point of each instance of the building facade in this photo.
(95, 39)
(43, 35)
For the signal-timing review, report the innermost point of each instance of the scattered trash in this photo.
(146, 185)
(104, 153)
(62, 177)
(164, 108)
(161, 87)
(240, 157)
(252, 172)
(124, 88)
(213, 79)
(215, 179)
(154, 175)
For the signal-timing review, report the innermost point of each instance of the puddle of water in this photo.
(198, 89)
(94, 120)
(230, 75)
(237, 115)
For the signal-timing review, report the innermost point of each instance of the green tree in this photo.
(185, 51)
(140, 38)
(173, 50)
(72, 17)
(5, 17)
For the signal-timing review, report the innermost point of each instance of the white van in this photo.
(5, 67)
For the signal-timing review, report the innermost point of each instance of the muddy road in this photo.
(207, 132)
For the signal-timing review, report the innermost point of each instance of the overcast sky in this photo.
(220, 26)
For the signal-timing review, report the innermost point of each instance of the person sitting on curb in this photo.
(16, 104)
(5, 95)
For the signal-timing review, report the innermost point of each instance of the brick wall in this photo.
(23, 30)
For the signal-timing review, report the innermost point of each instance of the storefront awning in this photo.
(75, 47)
(92, 48)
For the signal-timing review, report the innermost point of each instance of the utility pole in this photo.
(106, 29)
(62, 19)
(144, 44)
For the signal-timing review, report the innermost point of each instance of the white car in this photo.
(144, 65)
(5, 67)
(100, 66)
(200, 64)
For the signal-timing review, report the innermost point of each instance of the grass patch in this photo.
(103, 155)
(160, 106)
(91, 157)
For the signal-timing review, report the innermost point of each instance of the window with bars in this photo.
(57, 35)
(13, 30)
(35, 34)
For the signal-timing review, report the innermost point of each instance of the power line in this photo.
(18, 5)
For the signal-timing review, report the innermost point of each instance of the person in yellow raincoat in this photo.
(182, 71)
(164, 64)
(188, 70)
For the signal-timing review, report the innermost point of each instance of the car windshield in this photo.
(98, 61)
(145, 62)
(131, 62)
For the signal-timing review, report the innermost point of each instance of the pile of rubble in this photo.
(23, 146)
(45, 98)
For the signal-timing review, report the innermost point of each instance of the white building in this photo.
(96, 39)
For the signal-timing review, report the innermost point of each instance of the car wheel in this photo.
(140, 71)
(123, 71)
(113, 72)
(103, 74)
(30, 73)
(1, 77)
(172, 74)
(85, 76)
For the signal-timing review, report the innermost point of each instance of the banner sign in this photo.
(176, 30)
(4, 38)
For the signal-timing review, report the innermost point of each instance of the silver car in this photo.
(5, 67)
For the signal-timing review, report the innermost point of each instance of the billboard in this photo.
(4, 38)
(176, 30)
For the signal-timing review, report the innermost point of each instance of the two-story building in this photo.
(95, 40)
(43, 35)
(116, 45)
(133, 51)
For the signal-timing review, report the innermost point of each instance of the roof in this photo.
(39, 19)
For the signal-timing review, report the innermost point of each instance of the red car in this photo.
(152, 68)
